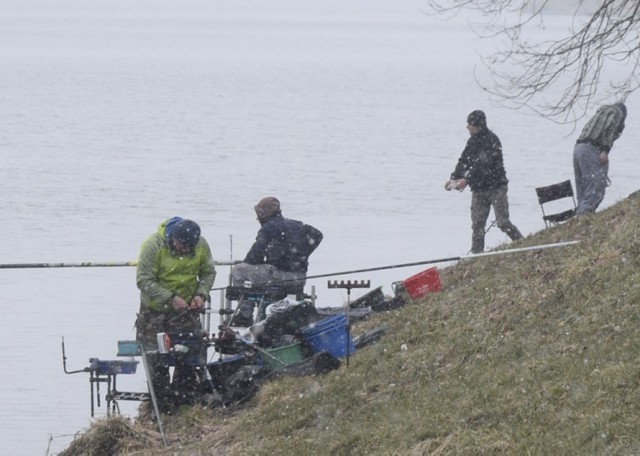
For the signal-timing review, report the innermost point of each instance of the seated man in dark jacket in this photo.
(279, 255)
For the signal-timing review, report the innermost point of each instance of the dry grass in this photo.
(534, 353)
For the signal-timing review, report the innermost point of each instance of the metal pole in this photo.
(64, 363)
(348, 315)
(227, 302)
(206, 316)
(152, 394)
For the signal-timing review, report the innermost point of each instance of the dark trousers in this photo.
(481, 203)
(186, 382)
(170, 393)
(591, 177)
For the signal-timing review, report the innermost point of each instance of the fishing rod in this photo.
(89, 264)
(420, 263)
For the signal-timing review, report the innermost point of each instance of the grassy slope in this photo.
(524, 353)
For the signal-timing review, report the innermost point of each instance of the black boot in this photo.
(511, 231)
(477, 244)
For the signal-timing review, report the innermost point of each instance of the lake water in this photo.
(116, 115)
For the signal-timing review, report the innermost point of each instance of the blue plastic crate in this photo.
(112, 367)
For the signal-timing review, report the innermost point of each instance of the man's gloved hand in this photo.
(456, 184)
(197, 303)
(461, 184)
(604, 158)
(178, 303)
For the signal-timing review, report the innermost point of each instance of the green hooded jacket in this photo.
(163, 273)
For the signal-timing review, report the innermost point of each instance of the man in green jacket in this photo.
(175, 274)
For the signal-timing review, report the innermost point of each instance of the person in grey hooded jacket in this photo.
(591, 155)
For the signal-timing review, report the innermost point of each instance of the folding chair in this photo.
(552, 193)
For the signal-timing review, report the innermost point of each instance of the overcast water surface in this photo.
(115, 115)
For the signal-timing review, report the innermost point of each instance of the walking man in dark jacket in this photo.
(280, 255)
(591, 155)
(481, 167)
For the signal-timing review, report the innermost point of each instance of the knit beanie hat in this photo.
(266, 208)
(620, 105)
(477, 118)
(186, 232)
(169, 226)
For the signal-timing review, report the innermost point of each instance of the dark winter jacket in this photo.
(285, 244)
(481, 162)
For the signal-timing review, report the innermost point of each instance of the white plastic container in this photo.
(164, 342)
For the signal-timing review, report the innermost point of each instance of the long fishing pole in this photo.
(88, 264)
(446, 260)
(420, 263)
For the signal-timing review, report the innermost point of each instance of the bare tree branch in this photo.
(604, 41)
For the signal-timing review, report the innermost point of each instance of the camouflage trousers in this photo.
(187, 379)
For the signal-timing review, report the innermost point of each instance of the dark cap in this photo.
(267, 207)
(186, 232)
(477, 118)
(620, 105)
